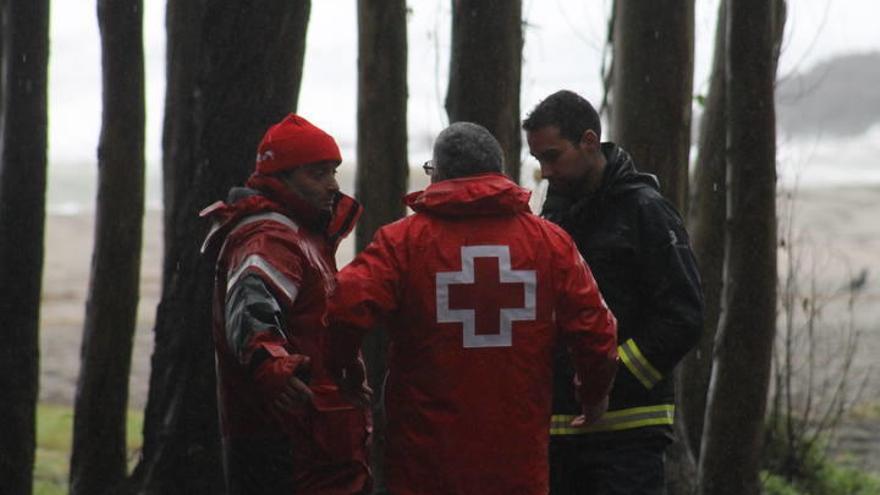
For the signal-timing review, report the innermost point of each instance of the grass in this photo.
(54, 438)
(55, 435)
(829, 479)
(867, 411)
(801, 469)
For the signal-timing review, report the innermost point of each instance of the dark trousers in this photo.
(580, 465)
(258, 467)
(272, 466)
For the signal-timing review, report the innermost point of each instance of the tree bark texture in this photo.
(2, 54)
(382, 160)
(23, 137)
(731, 444)
(681, 467)
(234, 69)
(652, 83)
(485, 71)
(98, 462)
(706, 219)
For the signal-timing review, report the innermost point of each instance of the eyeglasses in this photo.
(428, 167)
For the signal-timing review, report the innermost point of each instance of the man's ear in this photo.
(590, 140)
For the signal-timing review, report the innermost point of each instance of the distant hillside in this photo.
(838, 97)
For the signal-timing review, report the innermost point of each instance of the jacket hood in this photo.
(620, 173)
(475, 195)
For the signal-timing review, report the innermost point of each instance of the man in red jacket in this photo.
(286, 429)
(476, 292)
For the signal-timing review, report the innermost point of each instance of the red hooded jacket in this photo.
(476, 292)
(275, 268)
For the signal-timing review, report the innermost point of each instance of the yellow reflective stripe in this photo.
(637, 364)
(627, 361)
(652, 371)
(622, 419)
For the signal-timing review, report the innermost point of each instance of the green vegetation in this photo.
(799, 466)
(868, 411)
(54, 438)
(829, 479)
(818, 476)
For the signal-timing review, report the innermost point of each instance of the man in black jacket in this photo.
(638, 249)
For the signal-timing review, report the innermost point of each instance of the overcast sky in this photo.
(563, 48)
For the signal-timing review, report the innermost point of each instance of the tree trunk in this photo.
(98, 462)
(651, 89)
(484, 71)
(233, 70)
(23, 129)
(382, 161)
(652, 80)
(2, 54)
(731, 444)
(706, 222)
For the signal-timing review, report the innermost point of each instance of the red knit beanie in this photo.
(293, 142)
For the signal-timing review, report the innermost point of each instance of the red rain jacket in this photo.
(275, 269)
(476, 292)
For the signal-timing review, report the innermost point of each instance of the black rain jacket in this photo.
(639, 252)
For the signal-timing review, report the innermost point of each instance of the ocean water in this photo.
(818, 162)
(72, 188)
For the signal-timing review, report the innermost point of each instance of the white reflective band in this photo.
(269, 215)
(307, 247)
(255, 261)
(622, 419)
(215, 226)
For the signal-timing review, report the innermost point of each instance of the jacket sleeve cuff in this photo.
(638, 365)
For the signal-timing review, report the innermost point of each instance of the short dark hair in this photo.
(567, 110)
(465, 148)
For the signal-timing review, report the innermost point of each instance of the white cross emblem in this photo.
(505, 315)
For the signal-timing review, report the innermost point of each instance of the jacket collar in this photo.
(475, 195)
(266, 193)
(620, 175)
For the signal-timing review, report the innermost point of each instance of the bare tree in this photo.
(706, 222)
(814, 377)
(382, 161)
(732, 437)
(652, 80)
(485, 69)
(234, 68)
(2, 16)
(23, 129)
(98, 461)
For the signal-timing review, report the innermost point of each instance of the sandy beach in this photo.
(839, 226)
(69, 241)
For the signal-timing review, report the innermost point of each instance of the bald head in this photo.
(465, 148)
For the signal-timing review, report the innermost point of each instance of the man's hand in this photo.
(282, 380)
(591, 413)
(352, 384)
(294, 394)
